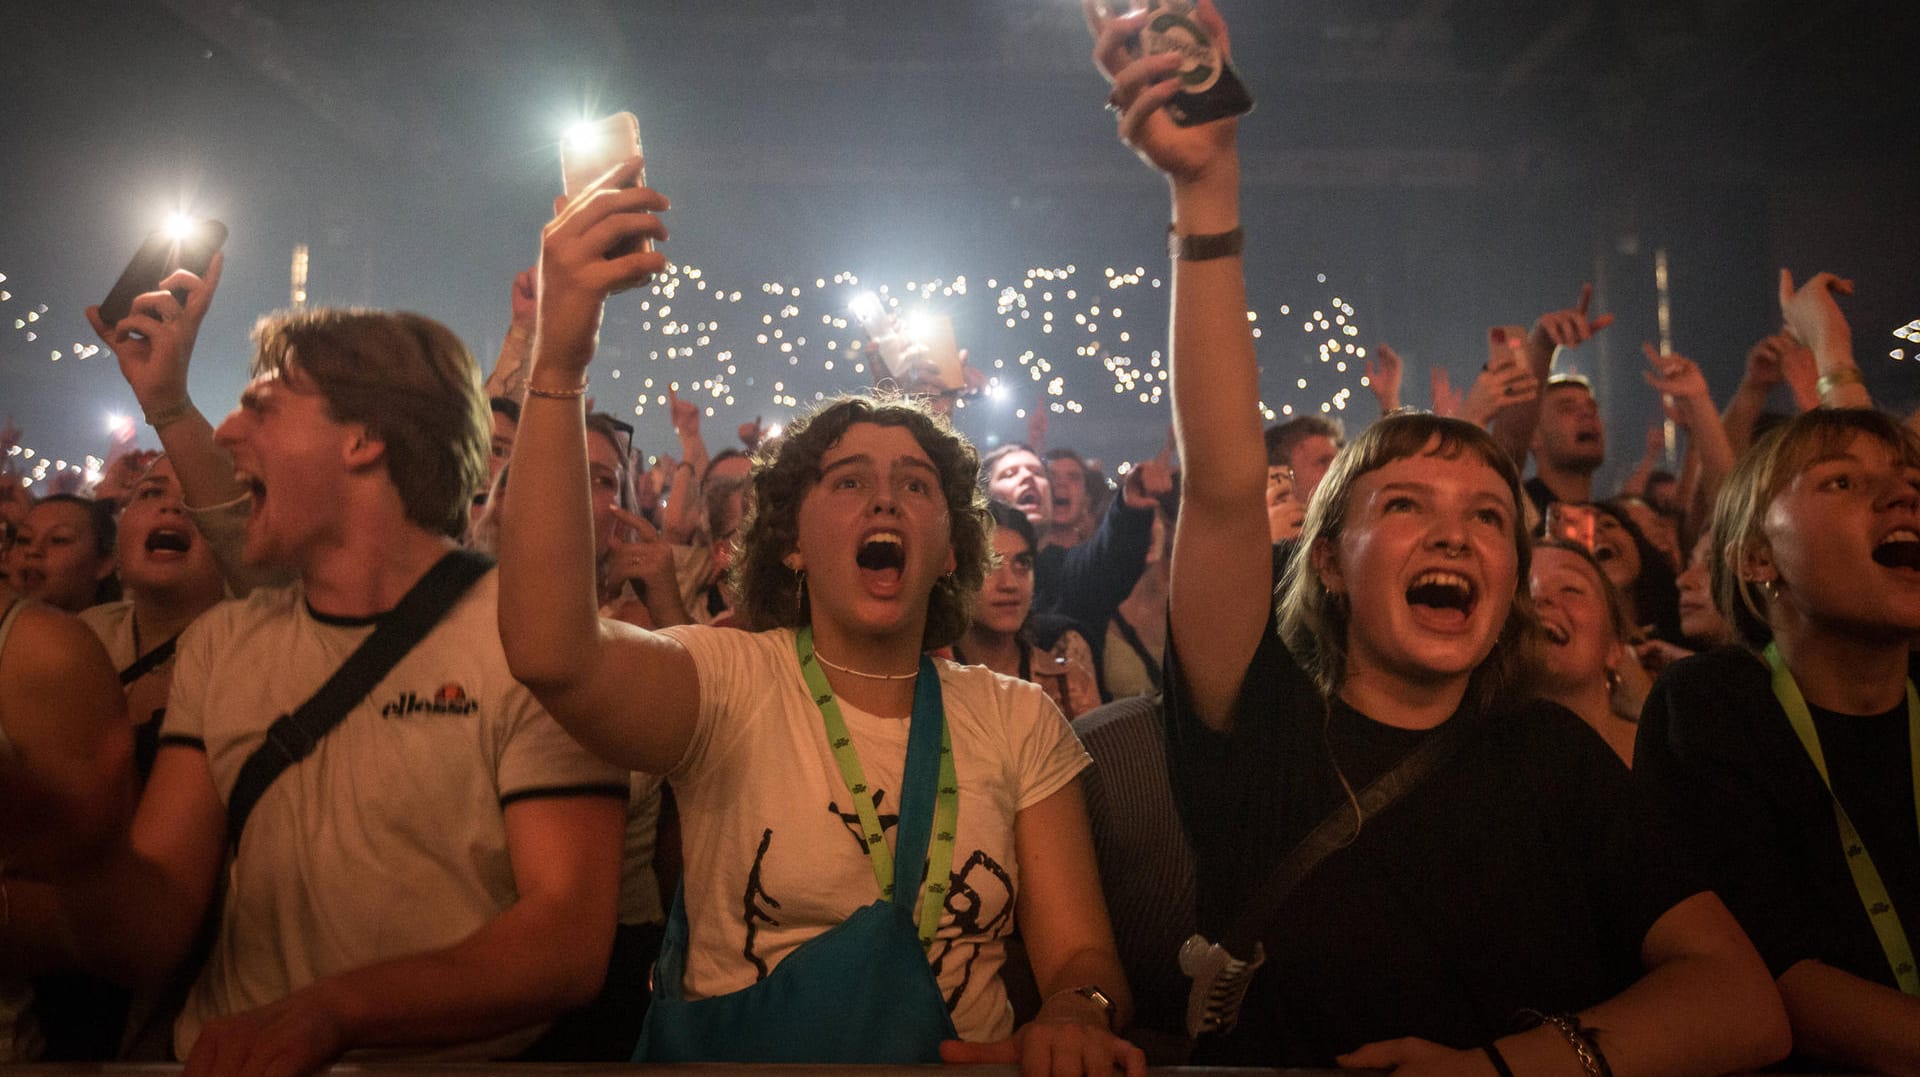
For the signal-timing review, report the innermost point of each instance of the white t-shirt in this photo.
(774, 854)
(388, 840)
(113, 623)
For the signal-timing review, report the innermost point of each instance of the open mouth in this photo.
(1443, 591)
(884, 552)
(169, 539)
(1899, 549)
(1556, 634)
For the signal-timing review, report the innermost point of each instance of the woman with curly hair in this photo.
(803, 752)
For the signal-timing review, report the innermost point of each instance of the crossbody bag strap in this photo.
(1222, 971)
(148, 662)
(293, 737)
(1339, 827)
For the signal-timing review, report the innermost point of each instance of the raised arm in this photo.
(1222, 570)
(1765, 369)
(1384, 373)
(1679, 378)
(154, 345)
(1555, 330)
(1814, 317)
(509, 377)
(629, 695)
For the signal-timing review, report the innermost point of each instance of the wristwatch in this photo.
(1099, 998)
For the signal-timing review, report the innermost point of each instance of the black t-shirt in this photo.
(1524, 873)
(1540, 493)
(1716, 748)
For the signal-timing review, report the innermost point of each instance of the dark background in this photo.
(1445, 165)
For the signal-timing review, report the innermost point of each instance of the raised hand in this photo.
(684, 414)
(1504, 383)
(1149, 481)
(1675, 375)
(750, 433)
(1447, 400)
(1765, 361)
(1811, 313)
(1142, 86)
(525, 298)
(154, 343)
(1384, 373)
(1801, 371)
(1037, 422)
(1567, 328)
(577, 274)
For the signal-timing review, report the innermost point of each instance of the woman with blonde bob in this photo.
(1789, 758)
(804, 753)
(1513, 874)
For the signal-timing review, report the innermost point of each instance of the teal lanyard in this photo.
(920, 788)
(1866, 877)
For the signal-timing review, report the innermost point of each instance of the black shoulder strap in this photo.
(1340, 827)
(148, 662)
(293, 737)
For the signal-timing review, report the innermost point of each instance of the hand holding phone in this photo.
(592, 149)
(184, 244)
(1210, 87)
(153, 342)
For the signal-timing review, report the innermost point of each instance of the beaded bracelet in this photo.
(557, 394)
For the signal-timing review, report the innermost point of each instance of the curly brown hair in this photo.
(771, 595)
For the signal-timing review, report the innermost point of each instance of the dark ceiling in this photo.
(1446, 165)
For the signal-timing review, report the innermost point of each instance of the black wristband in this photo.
(1204, 247)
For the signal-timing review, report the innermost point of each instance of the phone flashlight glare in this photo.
(584, 137)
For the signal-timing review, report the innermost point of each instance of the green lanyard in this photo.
(917, 782)
(1866, 877)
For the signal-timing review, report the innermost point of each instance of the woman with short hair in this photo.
(1789, 758)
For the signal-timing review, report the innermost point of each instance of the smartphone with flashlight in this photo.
(591, 149)
(188, 244)
(1210, 89)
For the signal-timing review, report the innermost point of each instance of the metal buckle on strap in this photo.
(1220, 982)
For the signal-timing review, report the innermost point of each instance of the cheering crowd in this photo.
(405, 713)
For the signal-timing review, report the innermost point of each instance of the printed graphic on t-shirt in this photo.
(979, 902)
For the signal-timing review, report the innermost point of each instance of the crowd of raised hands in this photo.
(1447, 759)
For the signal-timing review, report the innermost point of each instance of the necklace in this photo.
(830, 664)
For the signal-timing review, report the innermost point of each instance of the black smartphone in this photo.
(1210, 88)
(190, 247)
